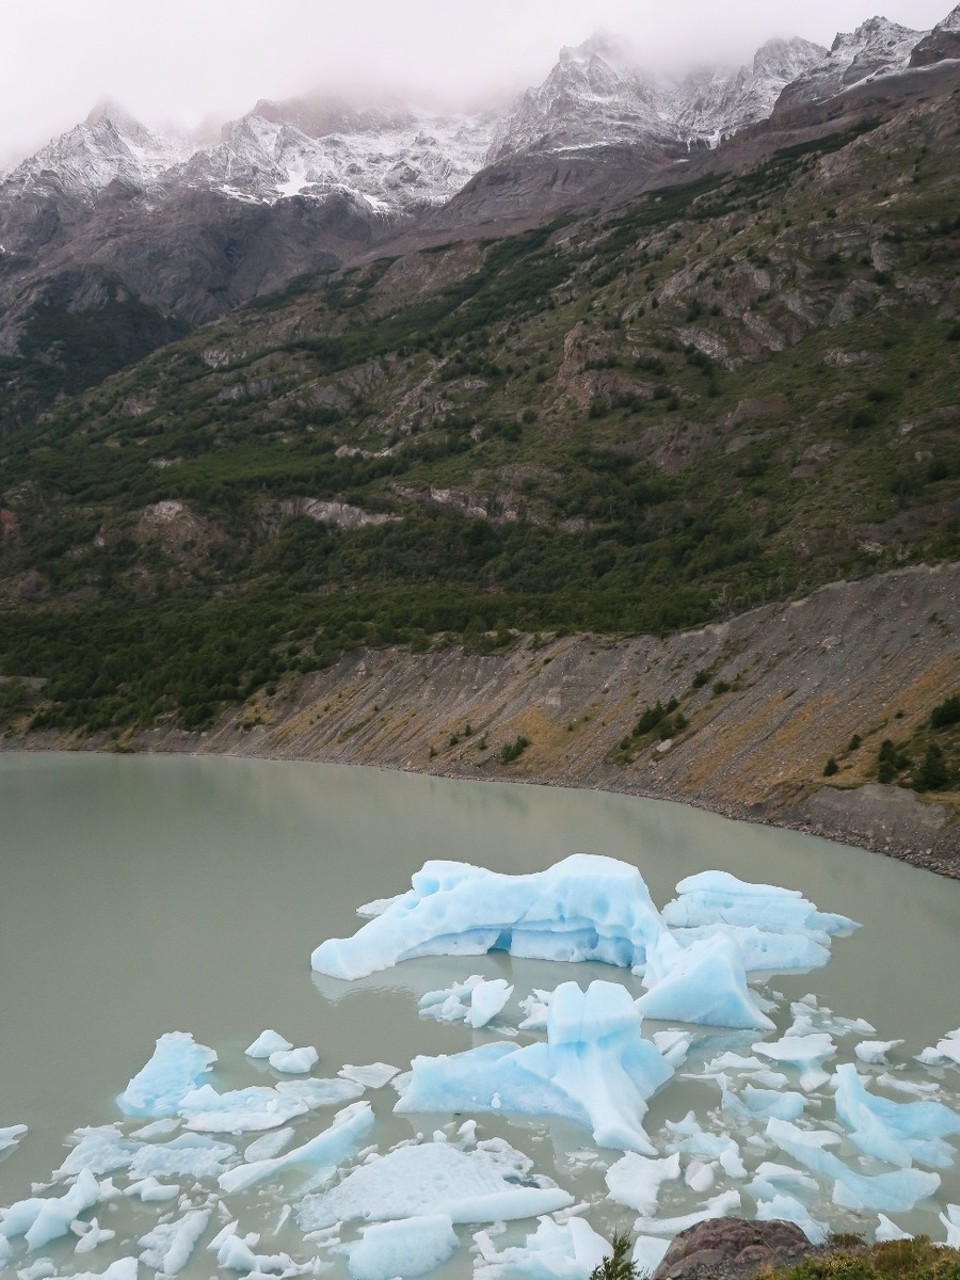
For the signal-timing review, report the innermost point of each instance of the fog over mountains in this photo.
(194, 228)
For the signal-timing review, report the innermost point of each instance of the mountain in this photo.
(114, 238)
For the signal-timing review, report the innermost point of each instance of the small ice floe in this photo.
(177, 1065)
(635, 1180)
(372, 1076)
(328, 1149)
(874, 1052)
(167, 1248)
(267, 1042)
(475, 1001)
(946, 1050)
(409, 1247)
(491, 1183)
(569, 1251)
(294, 1061)
(805, 1053)
(11, 1136)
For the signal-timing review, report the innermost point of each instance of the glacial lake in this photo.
(141, 895)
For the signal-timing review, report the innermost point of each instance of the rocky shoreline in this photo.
(759, 703)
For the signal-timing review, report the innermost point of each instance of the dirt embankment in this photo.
(766, 699)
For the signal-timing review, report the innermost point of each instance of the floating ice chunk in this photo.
(11, 1136)
(268, 1042)
(150, 1191)
(635, 1180)
(122, 1269)
(887, 1230)
(719, 1207)
(762, 950)
(595, 1069)
(731, 1062)
(343, 1138)
(700, 1176)
(535, 1006)
(156, 1128)
(703, 983)
(489, 1184)
(648, 1253)
(235, 1254)
(555, 1251)
(268, 1146)
(945, 1050)
(893, 1192)
(692, 1140)
(586, 907)
(192, 1155)
(785, 1104)
(42, 1219)
(771, 1180)
(101, 1150)
(805, 1053)
(167, 1248)
(716, 897)
(874, 1052)
(898, 1132)
(951, 1220)
(409, 1247)
(475, 1001)
(373, 1076)
(294, 1060)
(260, 1106)
(176, 1067)
(91, 1235)
(789, 1209)
(674, 1045)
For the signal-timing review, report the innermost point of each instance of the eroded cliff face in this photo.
(868, 658)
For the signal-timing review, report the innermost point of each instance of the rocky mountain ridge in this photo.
(127, 235)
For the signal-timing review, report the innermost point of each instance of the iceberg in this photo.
(897, 1132)
(408, 1247)
(874, 1052)
(892, 1192)
(635, 1180)
(555, 1251)
(762, 950)
(475, 1001)
(594, 1069)
(150, 1191)
(806, 1053)
(178, 1064)
(703, 983)
(945, 1050)
(42, 1219)
(887, 1230)
(790, 1209)
(491, 1183)
(295, 1061)
(267, 1042)
(167, 1248)
(328, 1149)
(717, 897)
(261, 1107)
(90, 1234)
(374, 1075)
(10, 1137)
(721, 1206)
(587, 907)
(691, 1139)
(192, 1155)
(951, 1220)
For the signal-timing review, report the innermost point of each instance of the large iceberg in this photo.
(587, 907)
(555, 1251)
(595, 1069)
(409, 1247)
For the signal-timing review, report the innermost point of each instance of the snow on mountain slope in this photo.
(878, 47)
(394, 163)
(598, 94)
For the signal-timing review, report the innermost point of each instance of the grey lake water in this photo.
(140, 895)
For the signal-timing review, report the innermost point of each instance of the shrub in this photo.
(947, 713)
(830, 768)
(515, 749)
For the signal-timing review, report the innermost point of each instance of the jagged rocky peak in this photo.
(878, 47)
(598, 93)
(322, 115)
(941, 44)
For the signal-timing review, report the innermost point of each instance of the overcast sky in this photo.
(186, 60)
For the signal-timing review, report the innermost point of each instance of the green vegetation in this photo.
(512, 751)
(727, 393)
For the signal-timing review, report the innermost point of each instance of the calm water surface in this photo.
(140, 895)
